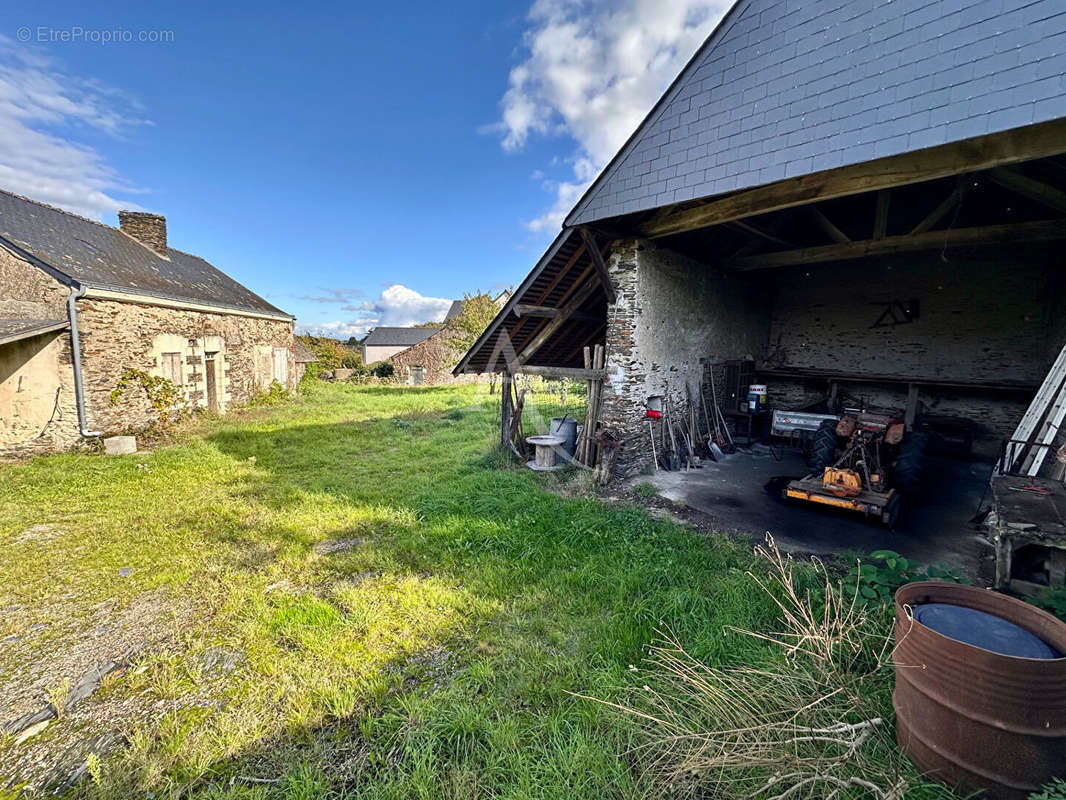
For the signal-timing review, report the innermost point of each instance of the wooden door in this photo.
(209, 377)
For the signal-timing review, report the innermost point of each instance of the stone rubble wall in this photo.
(38, 410)
(676, 320)
(672, 316)
(119, 335)
(437, 355)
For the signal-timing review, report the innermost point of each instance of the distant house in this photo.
(81, 302)
(429, 362)
(456, 308)
(383, 343)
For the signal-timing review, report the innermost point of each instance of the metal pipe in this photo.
(75, 346)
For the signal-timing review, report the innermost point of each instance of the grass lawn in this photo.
(343, 596)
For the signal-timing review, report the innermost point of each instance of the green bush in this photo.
(645, 490)
(1055, 789)
(1053, 601)
(876, 577)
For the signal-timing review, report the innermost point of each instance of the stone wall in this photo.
(37, 405)
(117, 335)
(36, 376)
(984, 316)
(672, 316)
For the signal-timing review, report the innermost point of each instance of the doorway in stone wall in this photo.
(210, 380)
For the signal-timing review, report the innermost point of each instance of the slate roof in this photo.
(12, 330)
(788, 87)
(100, 256)
(398, 337)
(304, 354)
(454, 310)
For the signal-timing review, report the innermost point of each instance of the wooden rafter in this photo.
(881, 215)
(597, 259)
(573, 304)
(1042, 231)
(574, 373)
(523, 310)
(578, 252)
(594, 337)
(1039, 191)
(827, 225)
(943, 208)
(747, 227)
(984, 152)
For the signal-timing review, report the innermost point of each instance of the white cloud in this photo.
(397, 306)
(593, 71)
(41, 109)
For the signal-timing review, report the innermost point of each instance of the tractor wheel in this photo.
(823, 447)
(910, 461)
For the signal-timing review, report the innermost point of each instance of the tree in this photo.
(332, 354)
(479, 309)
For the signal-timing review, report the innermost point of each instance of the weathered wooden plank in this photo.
(601, 268)
(984, 152)
(1042, 231)
(941, 211)
(574, 373)
(881, 215)
(571, 307)
(827, 225)
(1039, 191)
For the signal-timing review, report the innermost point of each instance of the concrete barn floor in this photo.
(743, 494)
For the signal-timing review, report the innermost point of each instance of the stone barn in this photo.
(82, 302)
(381, 344)
(853, 205)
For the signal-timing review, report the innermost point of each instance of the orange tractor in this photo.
(862, 462)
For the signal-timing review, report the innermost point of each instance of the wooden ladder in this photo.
(1034, 435)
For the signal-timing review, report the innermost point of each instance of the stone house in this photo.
(429, 362)
(860, 202)
(81, 302)
(381, 344)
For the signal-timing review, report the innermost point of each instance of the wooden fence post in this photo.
(505, 410)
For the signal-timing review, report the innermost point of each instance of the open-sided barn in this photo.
(849, 203)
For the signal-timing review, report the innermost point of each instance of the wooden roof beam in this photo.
(983, 152)
(1042, 231)
(946, 205)
(827, 225)
(597, 258)
(565, 313)
(1029, 187)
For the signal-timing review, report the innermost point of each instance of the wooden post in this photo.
(505, 410)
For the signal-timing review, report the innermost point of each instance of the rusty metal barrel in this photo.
(972, 718)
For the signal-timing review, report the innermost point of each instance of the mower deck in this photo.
(883, 505)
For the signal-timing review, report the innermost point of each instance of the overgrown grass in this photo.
(409, 620)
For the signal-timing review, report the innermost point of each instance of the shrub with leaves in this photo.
(163, 396)
(1053, 790)
(1053, 601)
(875, 578)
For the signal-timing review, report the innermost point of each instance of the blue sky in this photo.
(357, 165)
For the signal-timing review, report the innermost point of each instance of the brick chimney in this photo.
(149, 229)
